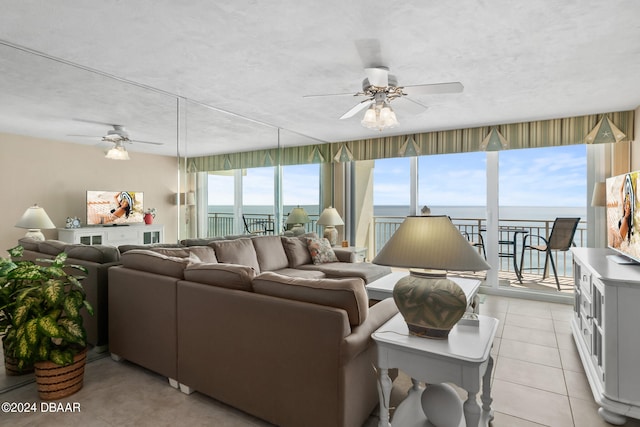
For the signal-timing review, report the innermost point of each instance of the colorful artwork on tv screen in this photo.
(623, 216)
(114, 207)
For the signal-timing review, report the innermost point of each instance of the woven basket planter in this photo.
(11, 365)
(55, 381)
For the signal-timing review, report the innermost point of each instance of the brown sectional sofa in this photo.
(251, 322)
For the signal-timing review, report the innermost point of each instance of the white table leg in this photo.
(472, 410)
(384, 396)
(486, 389)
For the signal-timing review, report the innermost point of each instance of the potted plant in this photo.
(8, 290)
(46, 325)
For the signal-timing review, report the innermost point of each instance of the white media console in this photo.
(113, 236)
(606, 329)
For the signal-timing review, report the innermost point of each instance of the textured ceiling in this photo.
(128, 62)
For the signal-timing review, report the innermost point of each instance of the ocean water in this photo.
(534, 213)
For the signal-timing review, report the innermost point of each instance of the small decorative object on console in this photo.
(149, 215)
(72, 222)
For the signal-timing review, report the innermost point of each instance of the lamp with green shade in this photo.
(429, 246)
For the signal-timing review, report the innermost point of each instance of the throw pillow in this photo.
(321, 251)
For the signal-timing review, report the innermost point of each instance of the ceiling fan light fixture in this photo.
(380, 117)
(117, 153)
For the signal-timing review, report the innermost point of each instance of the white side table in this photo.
(463, 359)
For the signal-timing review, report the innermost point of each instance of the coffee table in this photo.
(463, 359)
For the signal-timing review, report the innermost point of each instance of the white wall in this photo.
(56, 176)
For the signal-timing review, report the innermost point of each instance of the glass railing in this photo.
(224, 224)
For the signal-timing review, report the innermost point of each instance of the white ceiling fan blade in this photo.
(406, 105)
(328, 94)
(378, 76)
(434, 89)
(146, 142)
(358, 107)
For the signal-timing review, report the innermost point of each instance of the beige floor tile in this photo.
(571, 359)
(585, 414)
(562, 312)
(530, 352)
(565, 338)
(523, 307)
(578, 385)
(531, 322)
(539, 406)
(534, 336)
(504, 420)
(530, 374)
(496, 346)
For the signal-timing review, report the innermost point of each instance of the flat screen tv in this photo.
(114, 207)
(623, 217)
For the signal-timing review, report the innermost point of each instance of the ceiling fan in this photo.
(380, 88)
(117, 136)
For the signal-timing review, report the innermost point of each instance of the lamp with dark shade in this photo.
(330, 218)
(430, 303)
(297, 217)
(34, 219)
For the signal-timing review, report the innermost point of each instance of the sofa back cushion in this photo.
(29, 243)
(231, 276)
(348, 294)
(155, 262)
(51, 247)
(270, 253)
(96, 253)
(238, 251)
(296, 250)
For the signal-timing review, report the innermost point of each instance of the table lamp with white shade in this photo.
(34, 219)
(330, 218)
(430, 303)
(297, 218)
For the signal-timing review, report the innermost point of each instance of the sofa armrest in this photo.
(360, 337)
(344, 255)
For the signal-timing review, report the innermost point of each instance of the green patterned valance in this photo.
(543, 133)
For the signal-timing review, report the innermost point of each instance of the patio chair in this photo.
(560, 239)
(257, 226)
(476, 243)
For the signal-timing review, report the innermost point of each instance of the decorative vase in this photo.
(430, 303)
(148, 219)
(55, 381)
(441, 405)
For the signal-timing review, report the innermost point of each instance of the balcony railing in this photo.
(224, 224)
(384, 227)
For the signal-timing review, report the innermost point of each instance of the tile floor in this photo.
(538, 380)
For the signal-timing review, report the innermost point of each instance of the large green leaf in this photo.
(53, 292)
(73, 328)
(49, 327)
(61, 357)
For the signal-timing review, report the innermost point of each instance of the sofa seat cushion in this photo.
(155, 262)
(348, 294)
(231, 276)
(270, 253)
(296, 250)
(238, 251)
(307, 274)
(101, 254)
(321, 250)
(203, 253)
(366, 271)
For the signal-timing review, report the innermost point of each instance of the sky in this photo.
(551, 176)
